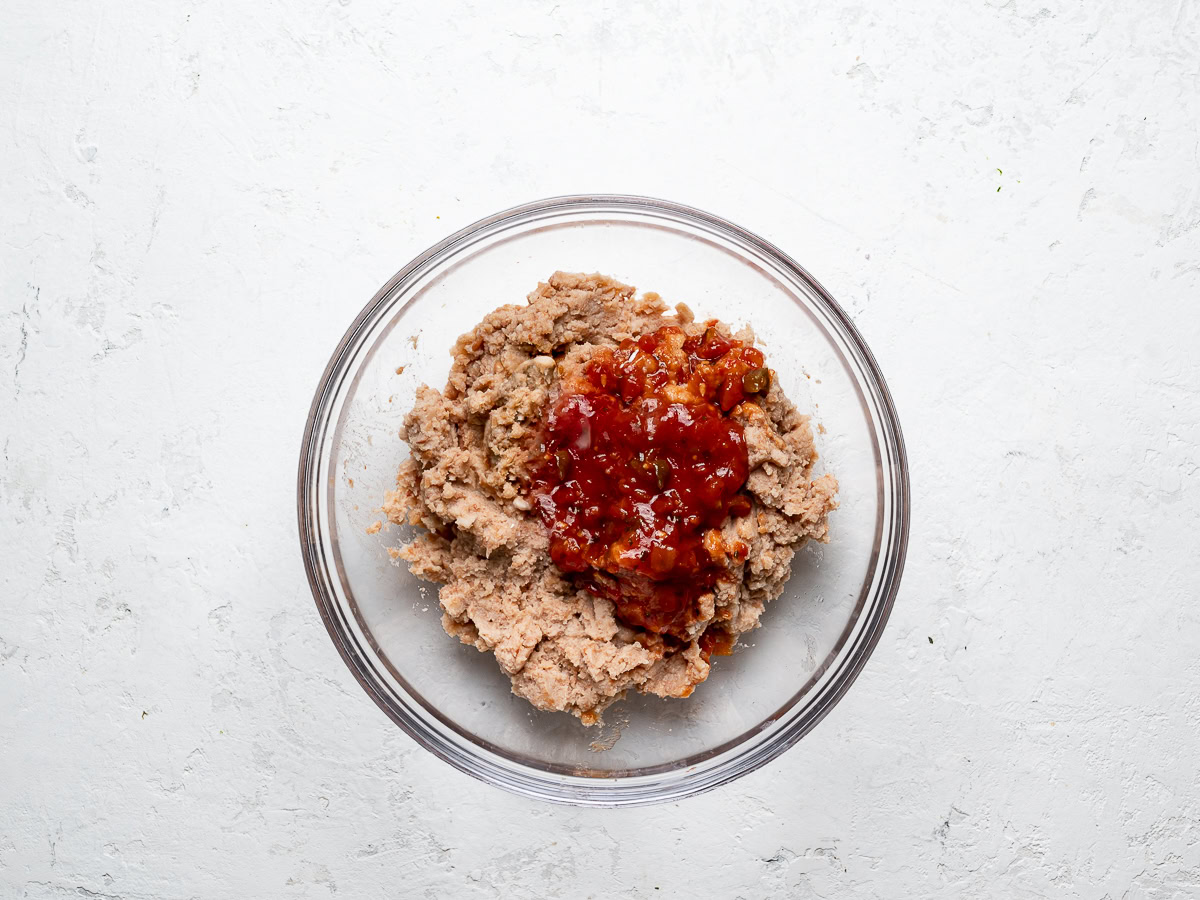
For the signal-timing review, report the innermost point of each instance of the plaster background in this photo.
(196, 198)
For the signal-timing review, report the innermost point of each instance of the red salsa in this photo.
(642, 464)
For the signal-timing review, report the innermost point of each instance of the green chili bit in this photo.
(756, 381)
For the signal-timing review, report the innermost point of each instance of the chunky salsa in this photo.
(641, 466)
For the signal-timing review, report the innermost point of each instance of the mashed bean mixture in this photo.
(607, 491)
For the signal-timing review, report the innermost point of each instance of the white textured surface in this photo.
(198, 197)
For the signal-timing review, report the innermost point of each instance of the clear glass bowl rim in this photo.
(688, 776)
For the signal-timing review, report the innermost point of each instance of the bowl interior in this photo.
(391, 620)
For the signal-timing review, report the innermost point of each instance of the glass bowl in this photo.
(454, 701)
